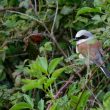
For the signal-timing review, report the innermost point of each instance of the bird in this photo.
(90, 48)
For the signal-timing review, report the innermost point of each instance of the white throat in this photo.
(84, 40)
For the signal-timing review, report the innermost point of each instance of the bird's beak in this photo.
(75, 39)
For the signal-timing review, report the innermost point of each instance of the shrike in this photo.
(90, 48)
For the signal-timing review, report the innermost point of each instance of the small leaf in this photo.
(48, 46)
(87, 10)
(49, 82)
(20, 106)
(66, 10)
(33, 84)
(41, 105)
(57, 72)
(97, 18)
(53, 64)
(42, 63)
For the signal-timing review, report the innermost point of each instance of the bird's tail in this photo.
(105, 71)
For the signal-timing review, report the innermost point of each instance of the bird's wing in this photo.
(91, 51)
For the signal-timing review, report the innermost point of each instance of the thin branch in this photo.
(54, 18)
(23, 14)
(62, 89)
(35, 6)
(43, 24)
(11, 8)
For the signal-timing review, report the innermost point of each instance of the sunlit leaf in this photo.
(31, 84)
(49, 82)
(42, 64)
(87, 10)
(21, 106)
(58, 72)
(53, 64)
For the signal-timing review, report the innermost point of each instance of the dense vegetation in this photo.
(39, 68)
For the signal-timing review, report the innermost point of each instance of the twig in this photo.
(62, 89)
(11, 8)
(35, 6)
(54, 18)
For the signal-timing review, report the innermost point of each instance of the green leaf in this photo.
(98, 3)
(21, 106)
(41, 105)
(53, 64)
(31, 84)
(49, 82)
(87, 10)
(66, 10)
(10, 23)
(83, 99)
(42, 64)
(97, 19)
(34, 69)
(74, 100)
(57, 72)
(106, 101)
(28, 100)
(48, 46)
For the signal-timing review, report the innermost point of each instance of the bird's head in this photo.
(83, 34)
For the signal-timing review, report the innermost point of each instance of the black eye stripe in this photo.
(82, 37)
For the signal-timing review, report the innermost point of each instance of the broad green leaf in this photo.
(42, 64)
(57, 72)
(41, 105)
(21, 106)
(28, 100)
(33, 84)
(66, 10)
(53, 64)
(87, 10)
(49, 82)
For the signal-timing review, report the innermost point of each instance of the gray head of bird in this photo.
(83, 34)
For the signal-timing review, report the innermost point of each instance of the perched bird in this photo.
(90, 48)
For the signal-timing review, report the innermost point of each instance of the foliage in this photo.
(37, 55)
